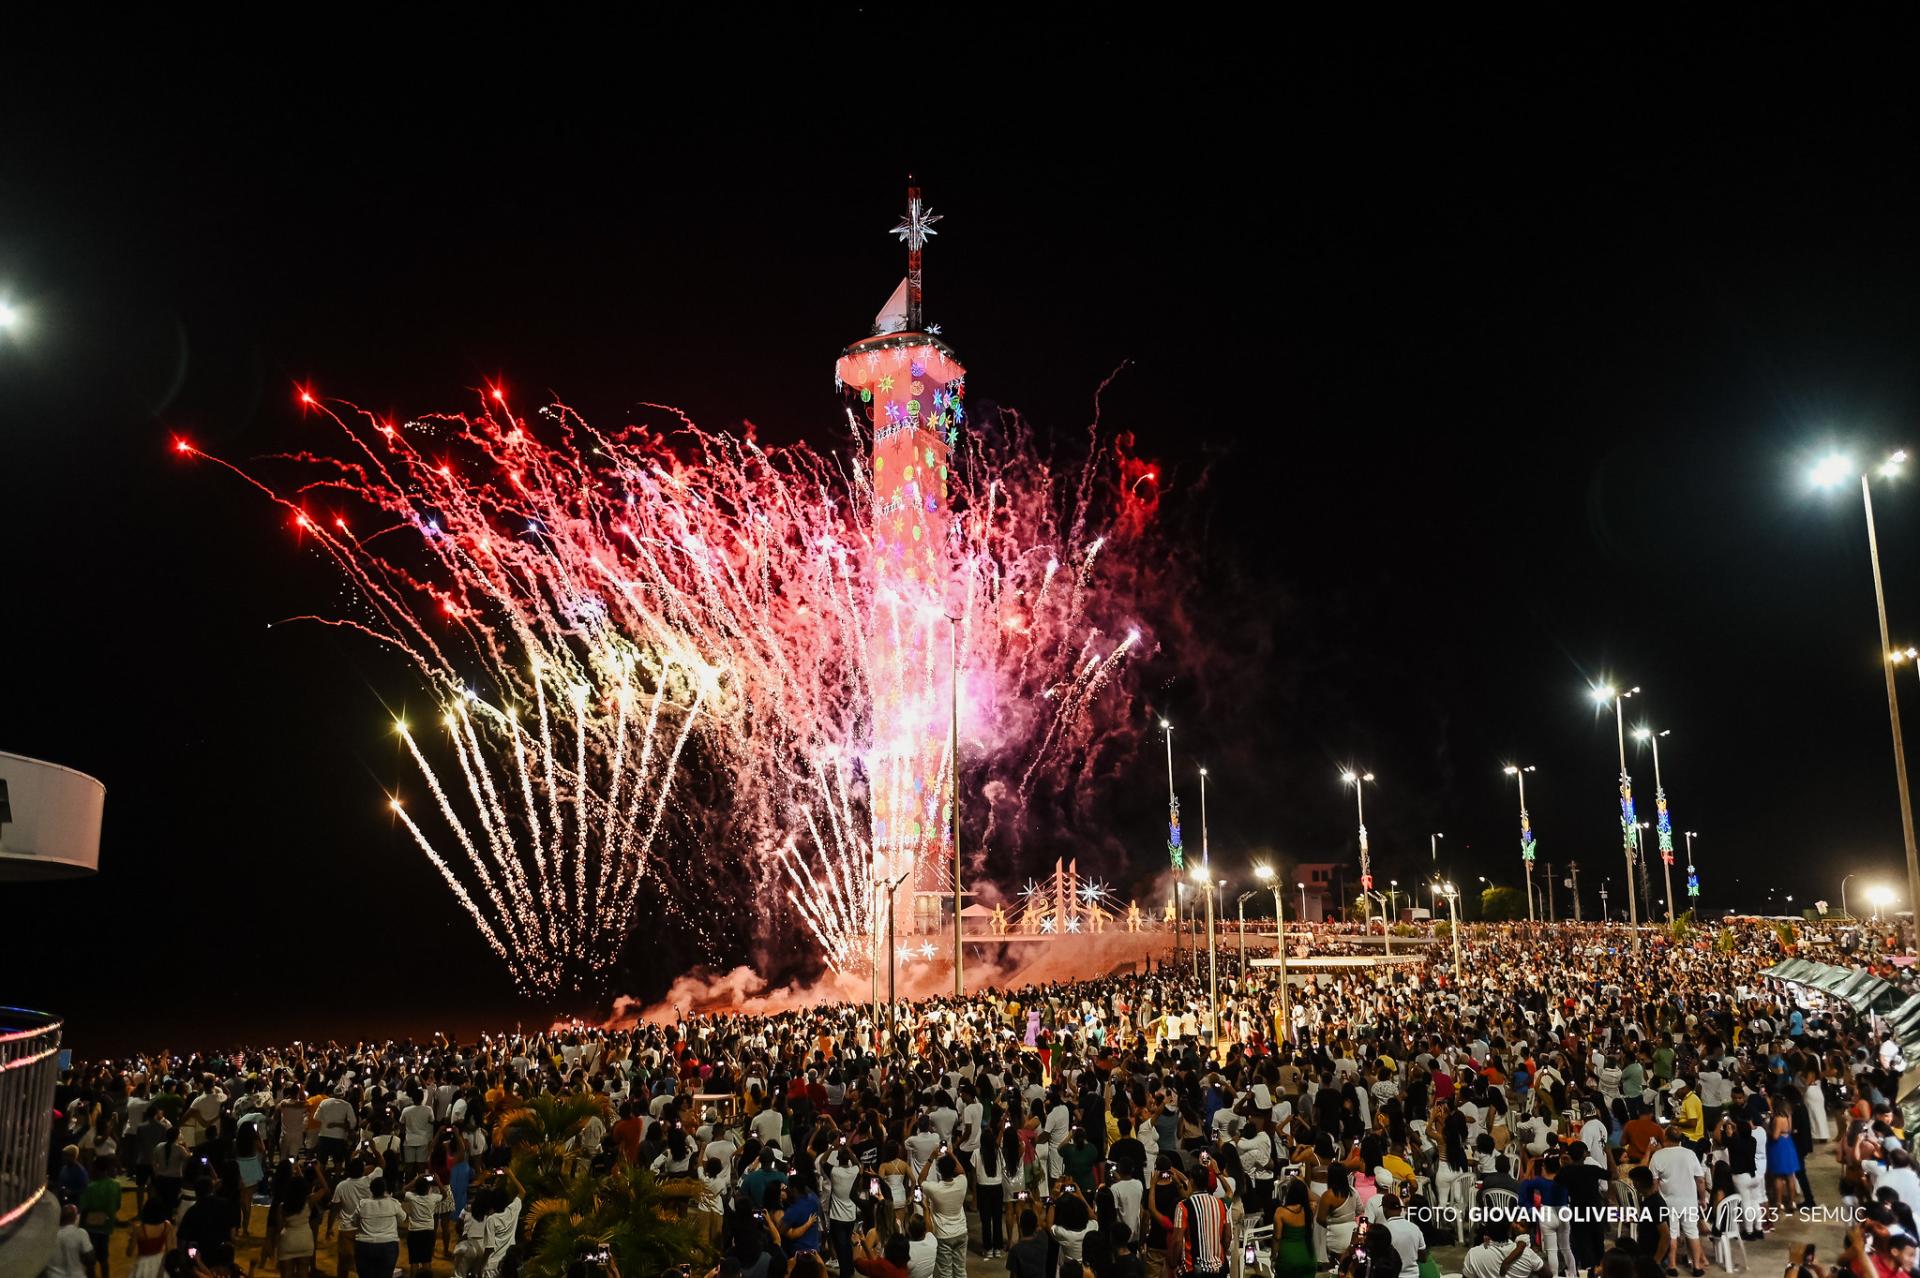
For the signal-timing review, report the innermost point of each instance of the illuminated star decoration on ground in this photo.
(1093, 891)
(916, 228)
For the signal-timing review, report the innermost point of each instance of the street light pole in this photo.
(1433, 845)
(1175, 853)
(953, 689)
(1243, 936)
(1641, 840)
(1893, 704)
(1518, 771)
(1843, 884)
(1693, 875)
(1830, 471)
(1453, 913)
(1358, 781)
(1663, 824)
(1213, 958)
(1629, 836)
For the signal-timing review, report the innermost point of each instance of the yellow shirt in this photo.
(1689, 1118)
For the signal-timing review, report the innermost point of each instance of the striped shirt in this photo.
(1200, 1222)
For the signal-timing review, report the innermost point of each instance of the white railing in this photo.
(29, 1066)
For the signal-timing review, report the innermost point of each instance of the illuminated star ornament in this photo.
(917, 227)
(927, 950)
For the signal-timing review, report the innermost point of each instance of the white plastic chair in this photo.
(1260, 1238)
(1726, 1222)
(1627, 1199)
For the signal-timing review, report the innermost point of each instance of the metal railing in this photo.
(29, 1066)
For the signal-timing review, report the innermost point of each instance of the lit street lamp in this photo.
(1267, 875)
(1200, 879)
(1452, 894)
(1879, 896)
(1359, 780)
(1519, 773)
(1176, 855)
(1663, 823)
(1206, 876)
(1831, 471)
(1629, 836)
(1433, 844)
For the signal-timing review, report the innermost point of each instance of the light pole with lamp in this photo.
(1433, 846)
(1303, 905)
(1831, 471)
(1641, 827)
(1266, 874)
(1843, 891)
(1206, 876)
(1629, 836)
(1879, 896)
(1693, 875)
(1452, 894)
(1176, 854)
(953, 690)
(1519, 772)
(1199, 876)
(1359, 780)
(1663, 822)
(1242, 906)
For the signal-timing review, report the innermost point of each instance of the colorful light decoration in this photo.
(1663, 824)
(1175, 853)
(1629, 832)
(1527, 847)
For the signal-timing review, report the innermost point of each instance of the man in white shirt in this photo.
(1059, 1124)
(1499, 1255)
(416, 1134)
(72, 1249)
(946, 1192)
(1407, 1238)
(767, 1124)
(347, 1197)
(1682, 1183)
(337, 1123)
(945, 1118)
(1593, 1134)
(972, 1114)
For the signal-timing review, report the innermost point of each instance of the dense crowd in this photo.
(1107, 1127)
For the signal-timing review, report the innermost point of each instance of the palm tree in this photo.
(544, 1134)
(635, 1217)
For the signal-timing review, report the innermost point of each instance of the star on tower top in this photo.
(917, 227)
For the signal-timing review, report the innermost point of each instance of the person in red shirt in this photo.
(629, 1130)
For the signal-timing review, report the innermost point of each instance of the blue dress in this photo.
(1783, 1156)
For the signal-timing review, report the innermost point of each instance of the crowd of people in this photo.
(1107, 1128)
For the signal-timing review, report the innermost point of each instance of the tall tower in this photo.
(911, 389)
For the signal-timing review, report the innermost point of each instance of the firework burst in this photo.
(598, 614)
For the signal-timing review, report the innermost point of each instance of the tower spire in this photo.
(915, 229)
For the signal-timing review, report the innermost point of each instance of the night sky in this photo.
(1480, 366)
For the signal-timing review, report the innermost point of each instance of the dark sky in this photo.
(1482, 364)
